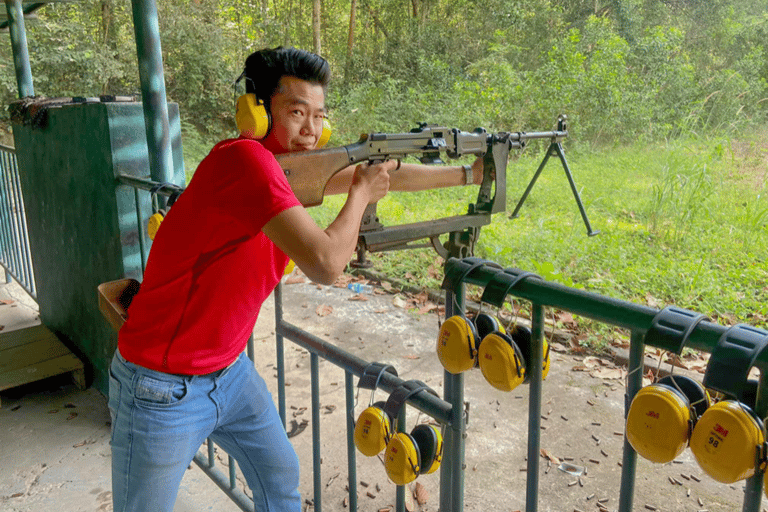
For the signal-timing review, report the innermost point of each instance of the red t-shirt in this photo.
(210, 267)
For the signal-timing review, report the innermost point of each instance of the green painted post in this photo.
(19, 47)
(634, 383)
(534, 407)
(753, 489)
(147, 30)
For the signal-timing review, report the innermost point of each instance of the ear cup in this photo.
(252, 119)
(402, 459)
(726, 441)
(486, 324)
(457, 344)
(501, 361)
(153, 224)
(325, 135)
(659, 423)
(430, 444)
(372, 430)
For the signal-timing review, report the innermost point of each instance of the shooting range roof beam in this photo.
(29, 9)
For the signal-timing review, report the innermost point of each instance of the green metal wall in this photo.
(82, 224)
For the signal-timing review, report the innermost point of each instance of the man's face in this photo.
(298, 110)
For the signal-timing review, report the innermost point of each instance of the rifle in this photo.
(308, 173)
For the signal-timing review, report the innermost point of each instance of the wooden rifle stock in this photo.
(308, 172)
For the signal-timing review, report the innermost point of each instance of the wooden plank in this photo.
(42, 370)
(19, 337)
(31, 354)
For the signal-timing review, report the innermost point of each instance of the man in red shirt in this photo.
(179, 375)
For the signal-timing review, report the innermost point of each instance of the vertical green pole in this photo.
(147, 30)
(634, 383)
(452, 468)
(19, 47)
(280, 353)
(351, 454)
(314, 364)
(753, 489)
(534, 367)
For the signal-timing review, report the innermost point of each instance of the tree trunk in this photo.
(350, 39)
(316, 42)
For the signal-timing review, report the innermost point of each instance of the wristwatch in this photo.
(469, 176)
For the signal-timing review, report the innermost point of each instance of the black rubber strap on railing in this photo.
(457, 270)
(672, 327)
(402, 393)
(372, 375)
(501, 283)
(732, 358)
(175, 191)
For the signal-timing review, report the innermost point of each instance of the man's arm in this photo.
(323, 254)
(413, 177)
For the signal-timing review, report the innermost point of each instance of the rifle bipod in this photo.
(556, 149)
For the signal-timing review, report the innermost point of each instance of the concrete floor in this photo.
(54, 439)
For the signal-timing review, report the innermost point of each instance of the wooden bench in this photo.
(35, 353)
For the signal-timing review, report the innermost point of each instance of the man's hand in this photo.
(373, 179)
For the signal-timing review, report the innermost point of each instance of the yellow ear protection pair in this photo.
(419, 452)
(729, 440)
(662, 416)
(502, 356)
(254, 121)
(153, 224)
(407, 455)
(373, 427)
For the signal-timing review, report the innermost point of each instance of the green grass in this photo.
(682, 222)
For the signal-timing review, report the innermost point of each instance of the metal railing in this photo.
(695, 333)
(15, 254)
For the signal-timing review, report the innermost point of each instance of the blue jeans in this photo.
(160, 420)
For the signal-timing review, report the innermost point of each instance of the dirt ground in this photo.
(53, 460)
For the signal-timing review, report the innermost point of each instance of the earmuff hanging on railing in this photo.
(729, 440)
(373, 427)
(419, 452)
(153, 224)
(254, 121)
(661, 417)
(458, 338)
(503, 356)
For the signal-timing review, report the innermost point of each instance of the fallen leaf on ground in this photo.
(324, 310)
(608, 373)
(399, 302)
(295, 280)
(358, 297)
(421, 494)
(547, 455)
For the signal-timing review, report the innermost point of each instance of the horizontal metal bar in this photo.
(236, 495)
(148, 184)
(425, 402)
(620, 313)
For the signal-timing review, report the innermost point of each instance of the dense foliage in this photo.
(621, 69)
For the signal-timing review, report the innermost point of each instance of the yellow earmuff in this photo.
(503, 358)
(728, 441)
(409, 455)
(153, 224)
(414, 454)
(662, 415)
(372, 430)
(254, 121)
(457, 344)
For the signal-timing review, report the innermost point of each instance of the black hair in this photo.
(264, 69)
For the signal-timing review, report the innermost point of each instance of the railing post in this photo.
(534, 407)
(280, 355)
(452, 468)
(349, 384)
(634, 383)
